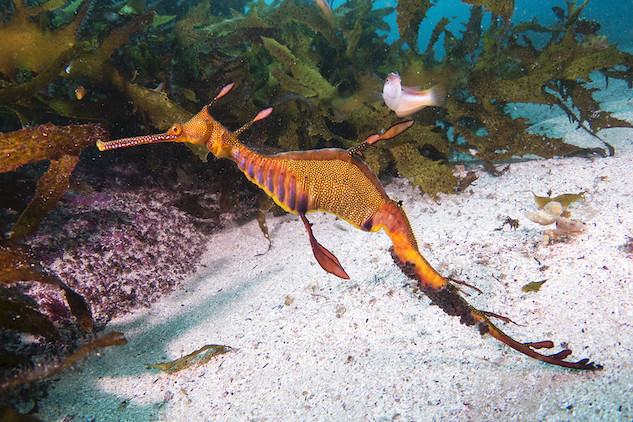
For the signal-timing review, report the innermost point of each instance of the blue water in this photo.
(615, 17)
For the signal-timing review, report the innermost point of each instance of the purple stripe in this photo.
(270, 178)
(260, 172)
(302, 205)
(251, 168)
(291, 192)
(281, 190)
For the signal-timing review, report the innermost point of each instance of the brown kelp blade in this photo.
(325, 258)
(137, 140)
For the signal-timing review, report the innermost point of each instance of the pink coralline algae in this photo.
(128, 239)
(122, 252)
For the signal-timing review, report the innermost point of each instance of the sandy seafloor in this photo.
(373, 349)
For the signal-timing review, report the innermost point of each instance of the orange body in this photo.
(329, 180)
(339, 182)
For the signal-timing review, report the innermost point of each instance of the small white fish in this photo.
(406, 100)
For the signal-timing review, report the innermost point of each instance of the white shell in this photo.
(541, 217)
(553, 208)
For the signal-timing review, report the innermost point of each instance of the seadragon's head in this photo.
(202, 129)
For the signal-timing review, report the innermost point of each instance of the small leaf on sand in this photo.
(197, 357)
(565, 199)
(534, 286)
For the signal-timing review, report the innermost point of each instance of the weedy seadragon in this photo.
(338, 181)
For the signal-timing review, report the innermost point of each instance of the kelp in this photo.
(46, 53)
(19, 313)
(410, 14)
(8, 414)
(297, 76)
(27, 44)
(431, 176)
(15, 93)
(61, 145)
(50, 188)
(50, 369)
(161, 111)
(324, 75)
(96, 64)
(46, 142)
(503, 8)
(294, 11)
(17, 264)
(157, 107)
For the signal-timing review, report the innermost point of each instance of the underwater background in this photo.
(87, 237)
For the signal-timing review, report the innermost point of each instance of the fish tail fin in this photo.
(438, 94)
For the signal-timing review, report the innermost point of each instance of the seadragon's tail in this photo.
(405, 253)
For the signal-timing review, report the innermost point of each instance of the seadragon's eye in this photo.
(175, 130)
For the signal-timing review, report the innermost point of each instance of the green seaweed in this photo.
(297, 76)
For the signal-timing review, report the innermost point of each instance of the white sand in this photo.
(371, 348)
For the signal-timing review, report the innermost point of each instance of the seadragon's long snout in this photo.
(137, 140)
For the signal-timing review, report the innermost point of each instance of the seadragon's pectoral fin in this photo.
(325, 258)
